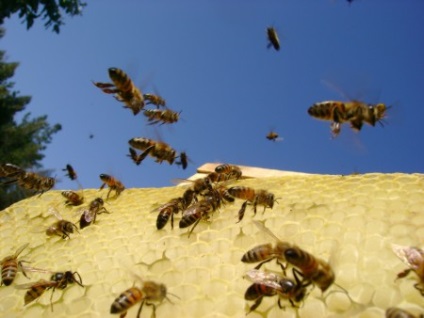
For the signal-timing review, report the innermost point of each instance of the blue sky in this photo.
(209, 60)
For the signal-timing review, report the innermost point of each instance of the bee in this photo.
(124, 89)
(200, 210)
(71, 172)
(165, 116)
(253, 197)
(355, 112)
(26, 180)
(183, 160)
(265, 253)
(311, 268)
(72, 198)
(267, 284)
(10, 266)
(150, 293)
(36, 182)
(62, 227)
(112, 183)
(231, 171)
(167, 211)
(155, 100)
(58, 280)
(273, 136)
(414, 258)
(157, 149)
(394, 312)
(273, 38)
(89, 215)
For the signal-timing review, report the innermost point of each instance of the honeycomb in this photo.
(351, 221)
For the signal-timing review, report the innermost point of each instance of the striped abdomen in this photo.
(126, 300)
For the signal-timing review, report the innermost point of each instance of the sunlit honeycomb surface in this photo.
(350, 220)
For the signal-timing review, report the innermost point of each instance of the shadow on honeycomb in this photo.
(349, 220)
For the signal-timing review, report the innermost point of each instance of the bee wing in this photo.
(260, 277)
(40, 283)
(410, 255)
(19, 250)
(36, 269)
(263, 228)
(55, 212)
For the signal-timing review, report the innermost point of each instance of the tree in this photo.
(50, 10)
(20, 143)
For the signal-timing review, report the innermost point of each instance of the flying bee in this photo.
(155, 100)
(394, 312)
(273, 136)
(231, 171)
(312, 269)
(265, 253)
(25, 179)
(113, 184)
(89, 215)
(253, 197)
(36, 182)
(149, 293)
(165, 116)
(71, 172)
(10, 266)
(355, 112)
(183, 160)
(413, 257)
(273, 38)
(58, 280)
(159, 150)
(72, 198)
(62, 227)
(267, 284)
(124, 89)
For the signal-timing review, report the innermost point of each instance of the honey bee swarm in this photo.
(349, 220)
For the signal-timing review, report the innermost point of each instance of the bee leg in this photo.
(110, 190)
(22, 268)
(403, 274)
(102, 85)
(419, 288)
(356, 124)
(172, 220)
(255, 305)
(283, 268)
(102, 186)
(241, 212)
(263, 262)
(281, 306)
(139, 309)
(194, 225)
(65, 235)
(153, 310)
(123, 315)
(51, 298)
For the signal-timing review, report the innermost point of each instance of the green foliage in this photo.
(20, 143)
(49, 10)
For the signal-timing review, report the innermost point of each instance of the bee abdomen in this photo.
(8, 272)
(126, 300)
(259, 253)
(322, 110)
